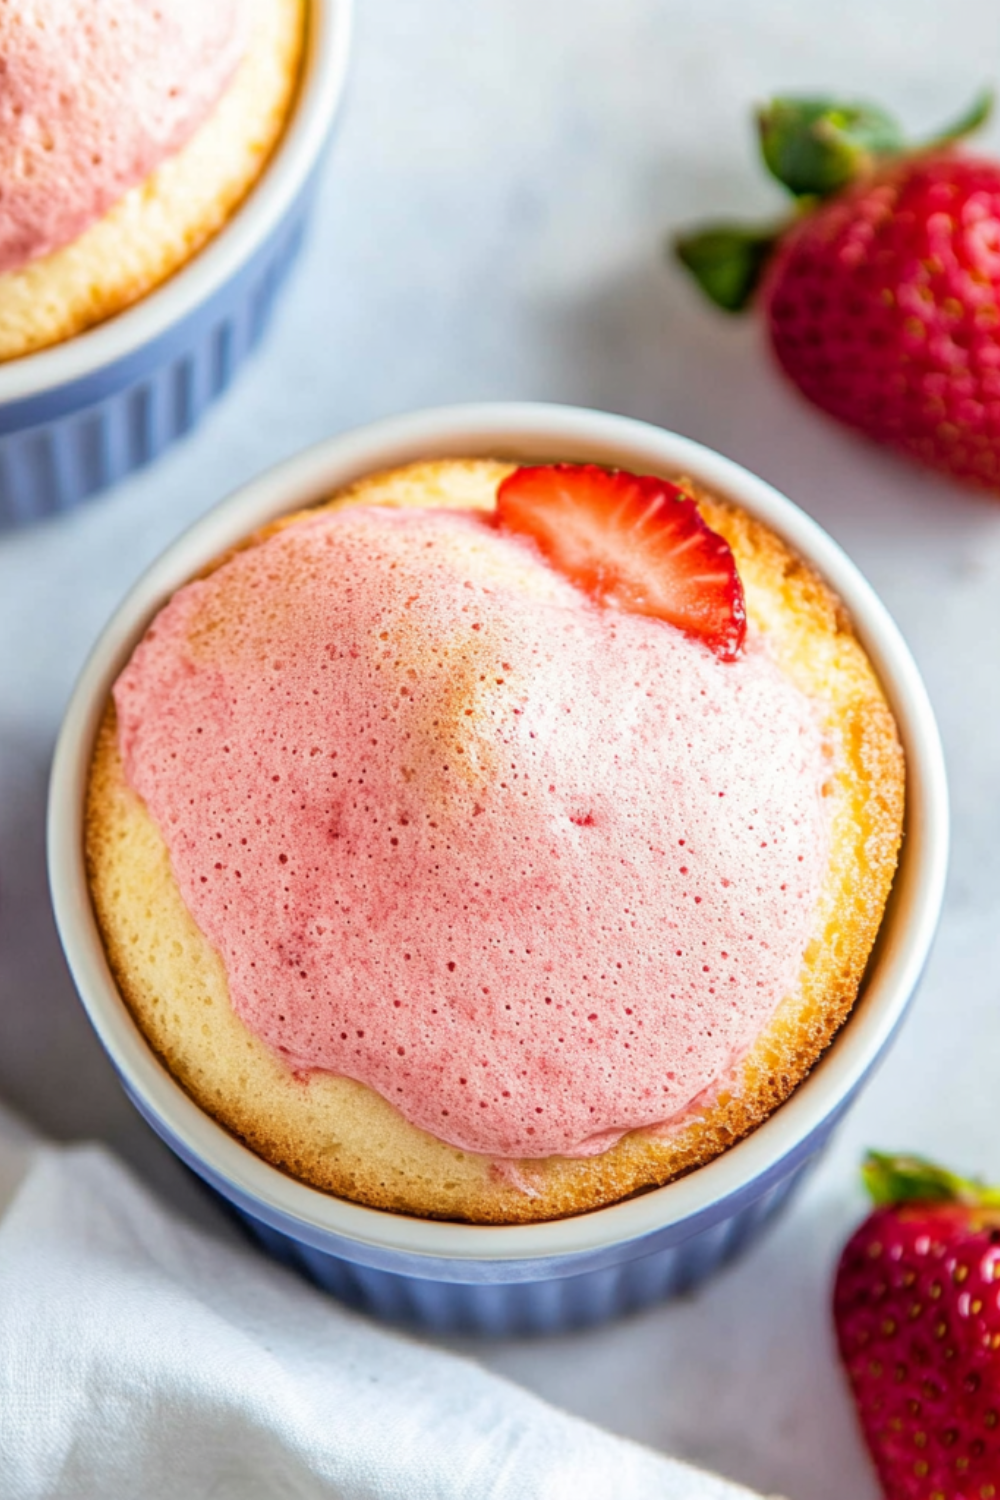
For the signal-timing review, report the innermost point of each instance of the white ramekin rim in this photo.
(527, 431)
(325, 69)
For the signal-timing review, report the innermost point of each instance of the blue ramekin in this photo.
(79, 416)
(568, 1272)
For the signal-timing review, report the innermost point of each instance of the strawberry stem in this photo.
(904, 1179)
(814, 147)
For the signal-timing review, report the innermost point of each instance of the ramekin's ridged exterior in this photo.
(504, 1298)
(557, 1304)
(560, 1274)
(78, 417)
(63, 445)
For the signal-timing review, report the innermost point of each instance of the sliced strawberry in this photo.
(633, 542)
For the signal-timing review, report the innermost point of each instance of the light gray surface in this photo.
(492, 226)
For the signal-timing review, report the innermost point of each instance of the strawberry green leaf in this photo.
(976, 115)
(905, 1179)
(727, 261)
(814, 147)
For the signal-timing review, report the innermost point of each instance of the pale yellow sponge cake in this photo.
(479, 903)
(81, 235)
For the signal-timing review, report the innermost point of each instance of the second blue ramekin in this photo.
(79, 416)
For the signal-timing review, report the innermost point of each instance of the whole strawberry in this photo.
(882, 292)
(917, 1313)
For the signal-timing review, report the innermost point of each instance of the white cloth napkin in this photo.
(141, 1358)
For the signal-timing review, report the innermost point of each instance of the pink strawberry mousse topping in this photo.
(94, 95)
(537, 871)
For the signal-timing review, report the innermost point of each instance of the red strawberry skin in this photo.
(917, 1314)
(633, 542)
(883, 305)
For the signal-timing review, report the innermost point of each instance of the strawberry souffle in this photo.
(491, 842)
(129, 132)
